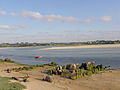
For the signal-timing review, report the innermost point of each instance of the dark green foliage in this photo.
(50, 64)
(26, 44)
(53, 64)
(37, 66)
(100, 67)
(63, 67)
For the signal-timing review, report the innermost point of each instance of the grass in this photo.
(5, 84)
(25, 66)
(7, 60)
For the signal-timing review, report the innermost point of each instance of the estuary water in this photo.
(105, 56)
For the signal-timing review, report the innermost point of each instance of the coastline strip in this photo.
(82, 46)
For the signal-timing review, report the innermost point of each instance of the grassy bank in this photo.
(6, 84)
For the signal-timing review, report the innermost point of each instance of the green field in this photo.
(5, 84)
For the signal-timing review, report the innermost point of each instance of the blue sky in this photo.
(59, 20)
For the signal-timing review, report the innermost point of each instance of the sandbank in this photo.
(82, 46)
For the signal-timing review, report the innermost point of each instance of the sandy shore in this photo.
(12, 47)
(103, 81)
(70, 47)
(83, 46)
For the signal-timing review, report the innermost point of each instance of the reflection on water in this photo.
(106, 56)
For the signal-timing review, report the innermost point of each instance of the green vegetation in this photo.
(73, 71)
(26, 67)
(27, 44)
(5, 84)
(7, 60)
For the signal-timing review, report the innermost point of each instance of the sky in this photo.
(59, 20)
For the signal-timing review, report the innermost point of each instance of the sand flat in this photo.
(83, 46)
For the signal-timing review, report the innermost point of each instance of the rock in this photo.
(8, 70)
(87, 64)
(7, 59)
(59, 68)
(73, 71)
(66, 71)
(26, 77)
(14, 78)
(48, 79)
(90, 63)
(22, 79)
(60, 72)
(71, 66)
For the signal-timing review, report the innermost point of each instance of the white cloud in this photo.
(53, 17)
(106, 18)
(3, 12)
(22, 25)
(50, 17)
(7, 27)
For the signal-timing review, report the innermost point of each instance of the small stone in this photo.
(8, 70)
(48, 79)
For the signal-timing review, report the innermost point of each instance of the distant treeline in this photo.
(25, 44)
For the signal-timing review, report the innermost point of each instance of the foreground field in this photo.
(108, 80)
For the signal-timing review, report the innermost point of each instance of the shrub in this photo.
(53, 64)
(63, 67)
(90, 67)
(73, 77)
(89, 73)
(95, 70)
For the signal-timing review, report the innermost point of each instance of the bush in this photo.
(63, 67)
(90, 67)
(89, 73)
(53, 64)
(95, 70)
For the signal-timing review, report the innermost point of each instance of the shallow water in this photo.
(105, 56)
